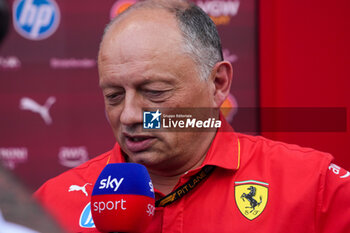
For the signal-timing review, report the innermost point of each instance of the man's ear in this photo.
(221, 77)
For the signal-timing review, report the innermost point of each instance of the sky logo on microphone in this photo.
(151, 120)
(36, 19)
(108, 183)
(122, 199)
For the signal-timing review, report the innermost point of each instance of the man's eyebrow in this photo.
(142, 80)
(105, 85)
(148, 81)
(167, 78)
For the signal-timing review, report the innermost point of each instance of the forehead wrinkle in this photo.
(152, 68)
(125, 70)
(153, 61)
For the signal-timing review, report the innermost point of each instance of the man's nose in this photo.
(132, 110)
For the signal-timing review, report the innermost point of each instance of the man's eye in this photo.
(114, 98)
(154, 93)
(157, 95)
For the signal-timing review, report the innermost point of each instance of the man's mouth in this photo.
(137, 139)
(138, 143)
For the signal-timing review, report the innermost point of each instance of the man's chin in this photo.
(146, 158)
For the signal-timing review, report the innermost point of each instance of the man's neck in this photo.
(165, 183)
(166, 175)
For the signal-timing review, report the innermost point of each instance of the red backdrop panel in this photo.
(304, 62)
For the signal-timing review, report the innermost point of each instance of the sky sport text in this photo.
(115, 205)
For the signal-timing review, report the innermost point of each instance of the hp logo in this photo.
(35, 19)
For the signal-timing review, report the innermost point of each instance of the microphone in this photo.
(123, 198)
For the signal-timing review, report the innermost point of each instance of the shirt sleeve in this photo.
(334, 214)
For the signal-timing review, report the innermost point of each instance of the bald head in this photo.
(141, 35)
(198, 34)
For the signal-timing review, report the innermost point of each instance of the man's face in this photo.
(141, 65)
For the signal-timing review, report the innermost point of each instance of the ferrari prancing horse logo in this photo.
(251, 197)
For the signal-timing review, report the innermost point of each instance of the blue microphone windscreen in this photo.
(124, 178)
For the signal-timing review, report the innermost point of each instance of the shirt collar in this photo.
(117, 155)
(224, 151)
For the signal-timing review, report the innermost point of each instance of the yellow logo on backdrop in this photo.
(251, 197)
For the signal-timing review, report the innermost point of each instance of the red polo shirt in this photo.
(258, 185)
